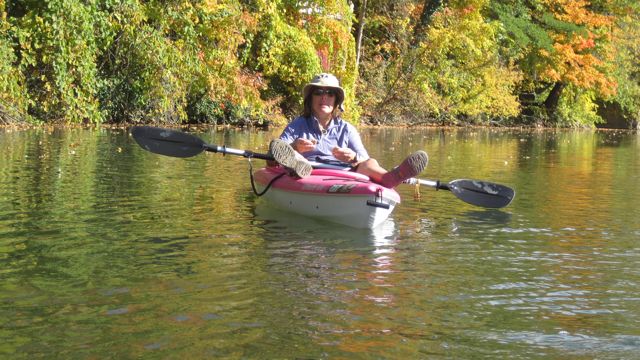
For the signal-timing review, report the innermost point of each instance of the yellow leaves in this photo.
(212, 6)
(3, 17)
(461, 70)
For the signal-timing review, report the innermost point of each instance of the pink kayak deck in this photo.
(326, 181)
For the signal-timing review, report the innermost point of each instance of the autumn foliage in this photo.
(244, 62)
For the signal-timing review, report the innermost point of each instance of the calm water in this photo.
(108, 251)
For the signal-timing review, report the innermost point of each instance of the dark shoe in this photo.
(284, 154)
(413, 165)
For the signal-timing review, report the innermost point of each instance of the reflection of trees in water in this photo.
(474, 221)
(106, 243)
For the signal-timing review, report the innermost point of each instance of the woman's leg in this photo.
(286, 156)
(411, 166)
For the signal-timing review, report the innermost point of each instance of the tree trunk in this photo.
(551, 104)
(361, 9)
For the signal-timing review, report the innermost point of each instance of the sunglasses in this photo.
(328, 92)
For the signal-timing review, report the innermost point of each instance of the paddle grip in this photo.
(441, 186)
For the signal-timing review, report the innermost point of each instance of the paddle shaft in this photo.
(244, 153)
(431, 183)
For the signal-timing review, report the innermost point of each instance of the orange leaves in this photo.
(577, 12)
(580, 56)
(468, 10)
(582, 70)
(585, 44)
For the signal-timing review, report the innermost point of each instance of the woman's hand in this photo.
(302, 145)
(344, 154)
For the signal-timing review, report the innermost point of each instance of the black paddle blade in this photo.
(482, 193)
(167, 142)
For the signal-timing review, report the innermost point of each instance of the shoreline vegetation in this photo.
(119, 63)
(230, 127)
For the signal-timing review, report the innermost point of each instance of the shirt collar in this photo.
(316, 123)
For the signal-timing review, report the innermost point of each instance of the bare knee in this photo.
(371, 168)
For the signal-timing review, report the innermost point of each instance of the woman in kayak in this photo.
(321, 135)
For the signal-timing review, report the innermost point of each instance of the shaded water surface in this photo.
(108, 251)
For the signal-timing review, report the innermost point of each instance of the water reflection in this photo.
(103, 243)
(476, 220)
(339, 274)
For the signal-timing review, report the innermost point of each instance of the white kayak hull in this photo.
(337, 196)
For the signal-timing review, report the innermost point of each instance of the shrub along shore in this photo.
(534, 63)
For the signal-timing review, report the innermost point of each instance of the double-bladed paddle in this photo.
(179, 144)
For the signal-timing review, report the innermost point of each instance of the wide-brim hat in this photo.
(326, 81)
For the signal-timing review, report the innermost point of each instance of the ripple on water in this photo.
(574, 343)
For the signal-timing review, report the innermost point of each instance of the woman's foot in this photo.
(413, 165)
(286, 156)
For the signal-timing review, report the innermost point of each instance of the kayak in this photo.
(339, 196)
(336, 195)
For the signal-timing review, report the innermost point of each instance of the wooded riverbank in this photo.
(243, 63)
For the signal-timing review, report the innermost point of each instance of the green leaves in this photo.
(131, 61)
(229, 61)
(57, 49)
(521, 31)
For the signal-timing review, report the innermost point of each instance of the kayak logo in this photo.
(341, 188)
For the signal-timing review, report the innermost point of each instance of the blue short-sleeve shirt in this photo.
(339, 133)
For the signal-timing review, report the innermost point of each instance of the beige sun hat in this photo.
(327, 81)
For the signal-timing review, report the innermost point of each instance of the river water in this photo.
(109, 251)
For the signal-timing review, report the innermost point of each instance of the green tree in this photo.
(427, 62)
(244, 62)
(12, 93)
(461, 67)
(559, 44)
(177, 62)
(626, 63)
(58, 42)
(296, 40)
